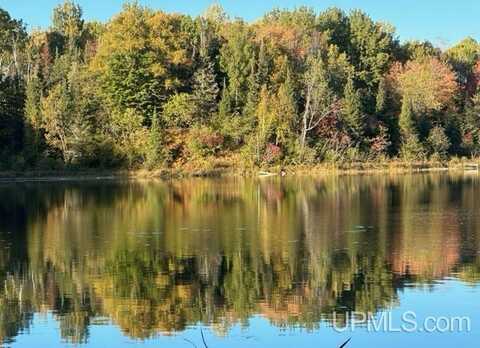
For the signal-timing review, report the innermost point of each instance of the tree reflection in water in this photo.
(157, 257)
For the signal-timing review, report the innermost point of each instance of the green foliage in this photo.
(372, 46)
(58, 121)
(67, 127)
(337, 24)
(11, 116)
(67, 20)
(155, 155)
(124, 74)
(12, 94)
(179, 111)
(416, 50)
(352, 111)
(205, 92)
(33, 118)
(131, 137)
(381, 99)
(12, 37)
(412, 149)
(149, 88)
(463, 58)
(203, 142)
(142, 59)
(284, 113)
(235, 56)
(470, 126)
(407, 119)
(438, 142)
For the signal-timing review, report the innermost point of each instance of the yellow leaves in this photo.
(158, 69)
(275, 114)
(428, 83)
(264, 113)
(465, 52)
(155, 36)
(130, 135)
(178, 57)
(128, 30)
(166, 36)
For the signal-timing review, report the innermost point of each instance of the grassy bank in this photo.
(212, 169)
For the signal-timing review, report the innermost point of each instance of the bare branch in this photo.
(193, 344)
(203, 339)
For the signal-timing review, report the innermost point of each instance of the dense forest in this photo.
(150, 89)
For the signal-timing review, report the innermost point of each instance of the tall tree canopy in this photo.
(156, 89)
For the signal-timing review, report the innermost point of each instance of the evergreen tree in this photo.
(259, 75)
(77, 89)
(58, 120)
(285, 112)
(33, 118)
(406, 120)
(471, 126)
(235, 58)
(411, 149)
(155, 143)
(205, 92)
(11, 116)
(352, 111)
(225, 105)
(12, 91)
(381, 100)
(253, 91)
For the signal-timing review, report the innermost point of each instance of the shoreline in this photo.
(361, 168)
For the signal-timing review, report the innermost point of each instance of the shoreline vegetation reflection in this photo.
(158, 257)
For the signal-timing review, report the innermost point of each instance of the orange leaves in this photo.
(474, 81)
(278, 34)
(428, 83)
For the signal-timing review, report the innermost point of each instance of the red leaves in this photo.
(428, 83)
(272, 153)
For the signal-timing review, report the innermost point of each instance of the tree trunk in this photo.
(303, 137)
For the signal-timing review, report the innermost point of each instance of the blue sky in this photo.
(443, 22)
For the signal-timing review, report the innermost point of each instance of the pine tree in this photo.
(11, 116)
(352, 111)
(411, 149)
(264, 121)
(205, 92)
(285, 111)
(406, 121)
(225, 104)
(264, 115)
(33, 118)
(155, 144)
(263, 66)
(471, 126)
(381, 100)
(253, 91)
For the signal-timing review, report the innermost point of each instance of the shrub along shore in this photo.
(368, 168)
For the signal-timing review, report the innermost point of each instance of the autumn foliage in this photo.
(293, 87)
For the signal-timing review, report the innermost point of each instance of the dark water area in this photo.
(262, 262)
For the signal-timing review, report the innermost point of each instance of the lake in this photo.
(388, 261)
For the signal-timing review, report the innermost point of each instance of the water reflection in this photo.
(158, 257)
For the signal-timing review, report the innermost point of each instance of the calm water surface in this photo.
(249, 262)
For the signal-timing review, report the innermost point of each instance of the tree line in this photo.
(150, 89)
